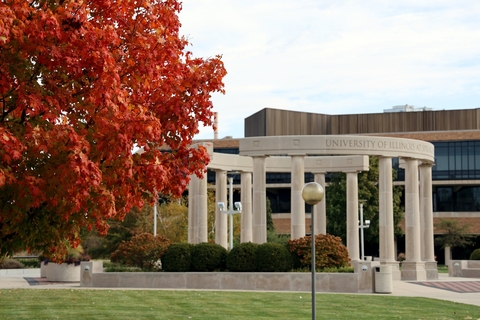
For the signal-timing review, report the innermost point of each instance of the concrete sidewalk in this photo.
(13, 279)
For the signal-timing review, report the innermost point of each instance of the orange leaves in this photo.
(81, 85)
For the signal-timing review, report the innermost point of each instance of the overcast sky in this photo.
(337, 57)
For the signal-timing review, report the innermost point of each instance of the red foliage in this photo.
(82, 84)
(142, 251)
(329, 251)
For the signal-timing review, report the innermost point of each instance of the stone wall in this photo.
(361, 281)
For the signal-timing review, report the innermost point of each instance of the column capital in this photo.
(426, 164)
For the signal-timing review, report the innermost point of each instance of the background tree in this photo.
(452, 234)
(82, 84)
(367, 191)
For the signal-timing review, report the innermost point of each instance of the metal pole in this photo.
(230, 206)
(361, 230)
(314, 308)
(155, 219)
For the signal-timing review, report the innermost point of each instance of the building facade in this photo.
(454, 133)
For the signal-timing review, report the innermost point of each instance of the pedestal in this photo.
(414, 270)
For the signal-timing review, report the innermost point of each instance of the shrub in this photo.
(143, 251)
(208, 257)
(475, 255)
(117, 267)
(30, 263)
(273, 257)
(11, 264)
(178, 258)
(242, 258)
(329, 251)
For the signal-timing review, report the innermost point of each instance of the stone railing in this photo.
(361, 281)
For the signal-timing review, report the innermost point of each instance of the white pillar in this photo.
(352, 216)
(221, 229)
(320, 209)
(197, 210)
(412, 212)
(192, 186)
(259, 216)
(413, 268)
(246, 200)
(386, 224)
(296, 202)
(426, 221)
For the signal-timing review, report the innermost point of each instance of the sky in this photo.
(336, 57)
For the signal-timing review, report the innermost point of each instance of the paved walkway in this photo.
(461, 290)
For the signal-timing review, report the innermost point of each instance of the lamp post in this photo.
(155, 219)
(230, 210)
(312, 194)
(362, 226)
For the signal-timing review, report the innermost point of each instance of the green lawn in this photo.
(154, 304)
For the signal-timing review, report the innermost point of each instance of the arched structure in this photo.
(332, 153)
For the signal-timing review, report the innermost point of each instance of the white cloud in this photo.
(337, 56)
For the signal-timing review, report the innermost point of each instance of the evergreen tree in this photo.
(368, 193)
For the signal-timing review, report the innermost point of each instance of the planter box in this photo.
(62, 272)
(362, 281)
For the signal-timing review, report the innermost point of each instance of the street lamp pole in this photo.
(155, 219)
(312, 194)
(362, 226)
(230, 210)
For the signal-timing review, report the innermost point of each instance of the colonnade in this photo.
(257, 156)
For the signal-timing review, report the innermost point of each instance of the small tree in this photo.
(453, 234)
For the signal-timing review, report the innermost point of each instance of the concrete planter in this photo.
(361, 281)
(62, 272)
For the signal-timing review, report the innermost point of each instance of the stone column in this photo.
(197, 210)
(426, 221)
(220, 217)
(386, 224)
(259, 216)
(319, 209)
(297, 204)
(192, 186)
(412, 268)
(352, 216)
(246, 200)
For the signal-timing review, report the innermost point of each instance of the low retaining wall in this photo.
(464, 268)
(362, 281)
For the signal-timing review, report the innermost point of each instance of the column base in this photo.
(432, 271)
(414, 270)
(396, 274)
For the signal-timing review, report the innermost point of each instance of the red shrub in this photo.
(329, 251)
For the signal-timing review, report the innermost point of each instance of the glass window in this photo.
(444, 199)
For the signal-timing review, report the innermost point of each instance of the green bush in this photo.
(178, 258)
(273, 257)
(30, 263)
(329, 251)
(117, 267)
(475, 255)
(242, 258)
(143, 251)
(11, 264)
(208, 257)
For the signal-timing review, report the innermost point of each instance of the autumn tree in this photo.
(82, 83)
(368, 192)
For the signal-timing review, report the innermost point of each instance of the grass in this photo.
(442, 268)
(158, 304)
